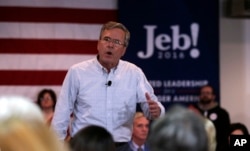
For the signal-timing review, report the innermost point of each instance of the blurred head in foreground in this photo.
(179, 130)
(19, 107)
(92, 138)
(23, 128)
(211, 133)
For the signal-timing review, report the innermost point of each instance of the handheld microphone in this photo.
(109, 83)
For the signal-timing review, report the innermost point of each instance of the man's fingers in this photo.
(147, 96)
(153, 106)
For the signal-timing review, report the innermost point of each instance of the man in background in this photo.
(209, 108)
(140, 133)
(179, 130)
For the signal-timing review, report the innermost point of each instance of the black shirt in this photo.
(221, 121)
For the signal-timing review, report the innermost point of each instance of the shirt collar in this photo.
(135, 146)
(103, 69)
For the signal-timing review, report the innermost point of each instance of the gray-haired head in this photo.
(179, 130)
(19, 107)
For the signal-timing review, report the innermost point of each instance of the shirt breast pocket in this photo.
(125, 106)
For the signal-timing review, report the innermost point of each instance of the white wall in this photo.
(235, 66)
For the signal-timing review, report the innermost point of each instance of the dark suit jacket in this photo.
(129, 147)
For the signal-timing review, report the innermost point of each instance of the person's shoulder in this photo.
(221, 110)
(126, 147)
(129, 65)
(195, 108)
(147, 148)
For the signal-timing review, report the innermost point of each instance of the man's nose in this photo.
(144, 128)
(111, 44)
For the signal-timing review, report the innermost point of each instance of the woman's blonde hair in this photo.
(211, 133)
(18, 135)
(23, 128)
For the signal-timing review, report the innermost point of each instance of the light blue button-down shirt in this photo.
(85, 93)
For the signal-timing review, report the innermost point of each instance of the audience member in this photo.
(211, 133)
(92, 138)
(238, 129)
(104, 90)
(19, 135)
(19, 107)
(46, 100)
(139, 135)
(210, 129)
(210, 109)
(179, 130)
(23, 128)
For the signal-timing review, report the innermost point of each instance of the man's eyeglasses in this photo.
(114, 41)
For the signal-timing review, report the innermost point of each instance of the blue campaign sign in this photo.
(176, 43)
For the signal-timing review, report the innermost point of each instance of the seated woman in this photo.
(238, 129)
(46, 100)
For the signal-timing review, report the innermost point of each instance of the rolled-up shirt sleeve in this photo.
(145, 87)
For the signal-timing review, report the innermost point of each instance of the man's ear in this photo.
(124, 51)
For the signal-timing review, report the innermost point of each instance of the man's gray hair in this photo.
(179, 130)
